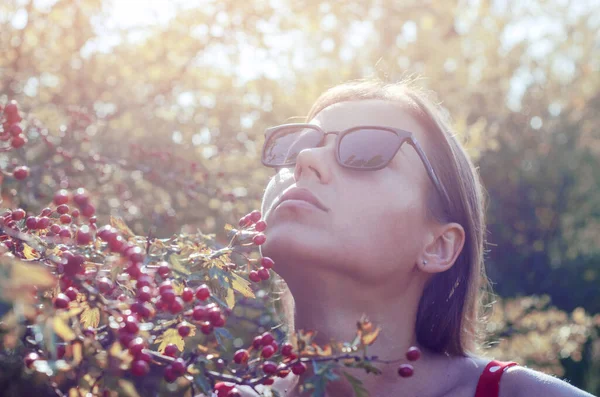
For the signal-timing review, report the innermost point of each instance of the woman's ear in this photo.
(441, 251)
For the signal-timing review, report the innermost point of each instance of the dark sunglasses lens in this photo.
(283, 146)
(368, 148)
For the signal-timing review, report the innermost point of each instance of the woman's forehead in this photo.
(344, 115)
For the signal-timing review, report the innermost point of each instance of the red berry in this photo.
(269, 367)
(176, 306)
(187, 294)
(260, 226)
(206, 328)
(219, 322)
(12, 112)
(88, 210)
(18, 141)
(65, 233)
(21, 172)
(179, 366)
(139, 368)
(55, 228)
(83, 235)
(275, 345)
(106, 233)
(136, 346)
(267, 351)
(286, 349)
(18, 214)
(144, 357)
(259, 239)
(81, 197)
(46, 212)
(245, 221)
(30, 359)
(164, 286)
(105, 285)
(134, 270)
(257, 342)
(413, 353)
(135, 254)
(253, 276)
(222, 389)
(62, 209)
(31, 222)
(61, 197)
(200, 313)
(241, 356)
(203, 292)
(236, 393)
(71, 293)
(168, 296)
(75, 213)
(213, 314)
(267, 262)
(170, 375)
(184, 330)
(171, 350)
(282, 371)
(268, 381)
(61, 301)
(144, 294)
(144, 281)
(131, 325)
(163, 269)
(267, 339)
(43, 222)
(405, 370)
(255, 216)
(15, 130)
(298, 368)
(263, 273)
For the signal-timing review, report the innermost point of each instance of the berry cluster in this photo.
(252, 222)
(12, 132)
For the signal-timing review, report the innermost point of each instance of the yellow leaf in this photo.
(177, 266)
(128, 388)
(170, 336)
(90, 317)
(228, 227)
(242, 286)
(29, 253)
(120, 225)
(24, 274)
(62, 329)
(230, 298)
(177, 287)
(370, 337)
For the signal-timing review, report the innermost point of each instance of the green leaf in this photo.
(357, 385)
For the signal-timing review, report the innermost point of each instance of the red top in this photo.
(489, 381)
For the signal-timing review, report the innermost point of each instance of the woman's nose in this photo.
(318, 161)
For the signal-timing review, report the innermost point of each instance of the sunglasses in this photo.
(363, 148)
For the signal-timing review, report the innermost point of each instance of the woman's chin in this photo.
(295, 245)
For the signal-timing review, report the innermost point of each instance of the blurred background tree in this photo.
(180, 93)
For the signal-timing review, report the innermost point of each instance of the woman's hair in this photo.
(453, 303)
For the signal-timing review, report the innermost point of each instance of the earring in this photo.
(424, 262)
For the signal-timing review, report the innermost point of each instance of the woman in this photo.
(386, 220)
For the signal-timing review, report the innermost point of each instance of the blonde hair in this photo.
(453, 303)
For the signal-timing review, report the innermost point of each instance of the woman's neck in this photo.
(331, 305)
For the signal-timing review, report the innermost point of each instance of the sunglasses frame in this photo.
(403, 136)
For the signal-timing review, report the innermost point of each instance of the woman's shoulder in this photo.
(515, 381)
(522, 381)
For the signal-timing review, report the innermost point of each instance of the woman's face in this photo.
(376, 221)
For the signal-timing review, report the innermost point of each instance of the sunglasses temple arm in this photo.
(430, 171)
